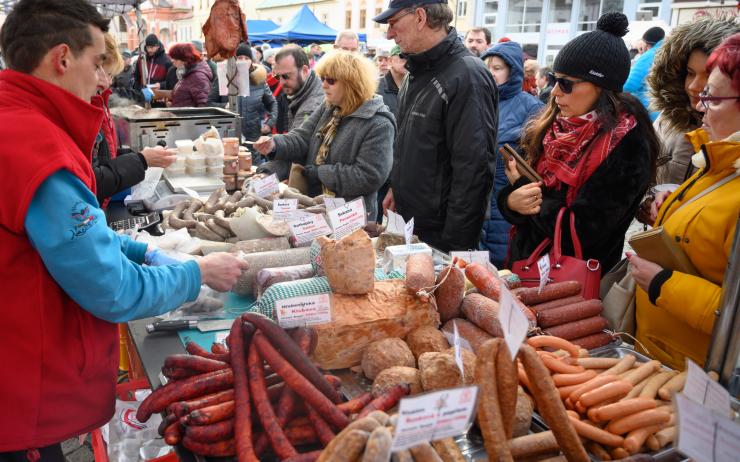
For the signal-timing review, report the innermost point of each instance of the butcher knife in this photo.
(203, 326)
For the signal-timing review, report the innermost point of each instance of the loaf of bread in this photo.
(386, 353)
(425, 339)
(397, 375)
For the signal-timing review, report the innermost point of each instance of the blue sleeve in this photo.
(133, 250)
(88, 261)
(636, 79)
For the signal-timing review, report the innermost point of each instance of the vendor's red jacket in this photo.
(59, 363)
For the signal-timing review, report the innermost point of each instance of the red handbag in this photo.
(562, 267)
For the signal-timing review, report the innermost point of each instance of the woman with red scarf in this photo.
(593, 146)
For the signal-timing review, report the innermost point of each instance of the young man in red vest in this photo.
(65, 277)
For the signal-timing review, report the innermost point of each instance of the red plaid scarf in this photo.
(573, 152)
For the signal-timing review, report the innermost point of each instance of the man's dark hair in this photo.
(299, 56)
(485, 31)
(439, 15)
(34, 27)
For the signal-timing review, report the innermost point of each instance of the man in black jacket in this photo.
(445, 149)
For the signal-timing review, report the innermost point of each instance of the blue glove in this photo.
(148, 94)
(157, 258)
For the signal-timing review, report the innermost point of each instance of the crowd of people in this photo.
(417, 130)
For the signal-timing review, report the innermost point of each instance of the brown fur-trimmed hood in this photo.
(258, 74)
(668, 74)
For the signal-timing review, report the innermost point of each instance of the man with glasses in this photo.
(302, 88)
(445, 149)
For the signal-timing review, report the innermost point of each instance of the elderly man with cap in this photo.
(445, 148)
(157, 64)
(637, 80)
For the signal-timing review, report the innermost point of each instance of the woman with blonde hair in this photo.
(346, 145)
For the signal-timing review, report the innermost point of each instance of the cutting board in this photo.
(234, 306)
(196, 183)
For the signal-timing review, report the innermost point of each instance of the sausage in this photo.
(210, 205)
(182, 408)
(378, 446)
(176, 221)
(563, 380)
(596, 434)
(565, 393)
(624, 365)
(483, 312)
(323, 431)
(619, 454)
(620, 409)
(425, 453)
(548, 341)
(522, 375)
(258, 388)
(592, 384)
(239, 339)
(302, 199)
(569, 313)
(637, 420)
(506, 385)
(300, 384)
(559, 366)
(173, 433)
(674, 385)
(195, 349)
(490, 418)
(598, 363)
(203, 232)
(212, 433)
(592, 341)
(380, 416)
(655, 382)
(528, 313)
(305, 457)
(291, 352)
(447, 450)
(219, 348)
(402, 456)
(473, 334)
(349, 446)
(450, 292)
(636, 438)
(195, 363)
(666, 435)
(419, 272)
(598, 451)
(387, 400)
(577, 329)
(210, 415)
(552, 291)
(219, 449)
(644, 371)
(532, 445)
(483, 280)
(224, 233)
(550, 406)
(366, 425)
(177, 373)
(556, 303)
(356, 404)
(611, 390)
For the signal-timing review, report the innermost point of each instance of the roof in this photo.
(278, 3)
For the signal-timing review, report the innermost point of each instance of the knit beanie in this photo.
(244, 50)
(653, 35)
(151, 40)
(600, 57)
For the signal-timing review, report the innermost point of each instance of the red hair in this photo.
(727, 58)
(185, 52)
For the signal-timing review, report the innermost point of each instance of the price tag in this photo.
(513, 321)
(703, 435)
(333, 202)
(284, 209)
(705, 391)
(267, 186)
(480, 257)
(348, 218)
(543, 264)
(396, 224)
(303, 311)
(221, 336)
(309, 227)
(408, 231)
(456, 344)
(434, 416)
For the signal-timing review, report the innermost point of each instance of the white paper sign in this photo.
(221, 336)
(283, 209)
(434, 416)
(396, 224)
(333, 202)
(703, 435)
(705, 391)
(513, 322)
(348, 218)
(456, 345)
(480, 257)
(266, 186)
(309, 227)
(408, 231)
(543, 264)
(303, 311)
(450, 336)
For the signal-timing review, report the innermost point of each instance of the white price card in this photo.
(408, 231)
(513, 321)
(395, 224)
(543, 264)
(266, 186)
(348, 218)
(221, 336)
(309, 227)
(480, 257)
(303, 311)
(450, 336)
(333, 202)
(456, 345)
(284, 209)
(705, 391)
(433, 416)
(703, 435)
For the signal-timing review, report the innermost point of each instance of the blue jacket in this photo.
(636, 83)
(515, 107)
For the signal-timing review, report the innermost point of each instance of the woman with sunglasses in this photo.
(346, 145)
(593, 146)
(676, 311)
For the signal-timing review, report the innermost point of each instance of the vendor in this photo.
(66, 277)
(676, 311)
(346, 145)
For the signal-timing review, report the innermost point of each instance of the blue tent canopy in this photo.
(260, 26)
(302, 27)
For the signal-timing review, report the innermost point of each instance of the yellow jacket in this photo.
(681, 324)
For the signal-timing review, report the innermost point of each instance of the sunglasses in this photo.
(328, 80)
(392, 22)
(705, 98)
(566, 85)
(283, 76)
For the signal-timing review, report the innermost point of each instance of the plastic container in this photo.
(229, 182)
(231, 165)
(214, 160)
(245, 161)
(231, 146)
(184, 147)
(215, 170)
(175, 171)
(178, 163)
(196, 171)
(195, 160)
(213, 147)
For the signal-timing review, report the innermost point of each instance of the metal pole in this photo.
(141, 60)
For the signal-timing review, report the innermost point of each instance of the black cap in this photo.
(151, 40)
(244, 50)
(653, 35)
(397, 5)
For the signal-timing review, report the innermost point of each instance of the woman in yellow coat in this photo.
(676, 311)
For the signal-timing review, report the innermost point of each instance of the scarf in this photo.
(327, 134)
(573, 151)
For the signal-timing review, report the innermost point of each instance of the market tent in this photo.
(302, 27)
(260, 26)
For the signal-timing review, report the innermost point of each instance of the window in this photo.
(592, 9)
(560, 10)
(348, 19)
(524, 16)
(363, 18)
(489, 13)
(462, 8)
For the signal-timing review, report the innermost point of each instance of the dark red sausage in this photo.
(323, 431)
(553, 291)
(219, 349)
(219, 431)
(580, 328)
(305, 457)
(590, 342)
(219, 449)
(194, 363)
(195, 349)
(176, 373)
(387, 400)
(210, 415)
(239, 339)
(568, 313)
(356, 404)
(556, 303)
(173, 433)
(182, 408)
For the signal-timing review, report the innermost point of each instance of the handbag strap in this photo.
(558, 249)
(716, 185)
(537, 252)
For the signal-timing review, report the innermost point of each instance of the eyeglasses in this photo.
(283, 76)
(705, 98)
(328, 80)
(566, 85)
(392, 22)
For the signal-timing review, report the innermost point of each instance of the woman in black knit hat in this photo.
(593, 146)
